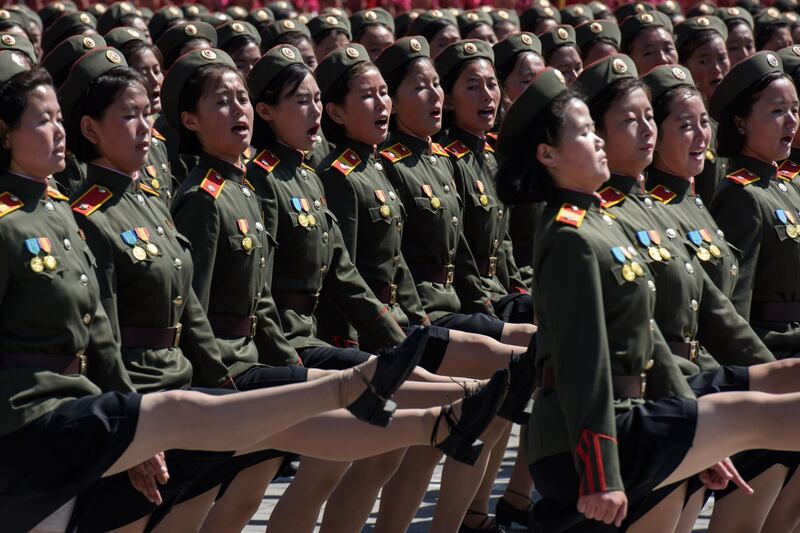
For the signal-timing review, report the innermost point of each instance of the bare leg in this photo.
(479, 508)
(691, 511)
(420, 394)
(664, 516)
(741, 513)
(189, 515)
(518, 334)
(520, 485)
(475, 356)
(353, 499)
(134, 527)
(403, 493)
(778, 377)
(784, 513)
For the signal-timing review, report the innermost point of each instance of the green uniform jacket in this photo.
(714, 170)
(757, 208)
(156, 171)
(689, 306)
(485, 218)
(579, 283)
(218, 210)
(318, 152)
(311, 258)
(54, 311)
(371, 218)
(434, 241)
(117, 214)
(521, 230)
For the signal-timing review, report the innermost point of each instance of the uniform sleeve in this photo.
(200, 346)
(407, 295)
(666, 378)
(197, 218)
(343, 201)
(508, 266)
(581, 362)
(105, 367)
(738, 214)
(468, 281)
(105, 271)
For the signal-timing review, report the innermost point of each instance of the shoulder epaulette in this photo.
(158, 135)
(149, 190)
(266, 160)
(346, 162)
(249, 185)
(53, 193)
(571, 215)
(247, 154)
(457, 149)
(438, 149)
(396, 152)
(212, 183)
(743, 177)
(662, 194)
(610, 197)
(9, 203)
(91, 200)
(788, 170)
(489, 148)
(492, 136)
(307, 167)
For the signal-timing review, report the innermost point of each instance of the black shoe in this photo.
(486, 526)
(394, 366)
(518, 404)
(477, 411)
(506, 514)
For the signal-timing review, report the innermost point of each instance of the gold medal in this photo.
(312, 221)
(715, 251)
(791, 231)
(703, 254)
(797, 228)
(653, 253)
(151, 248)
(484, 200)
(637, 269)
(302, 219)
(665, 254)
(247, 244)
(50, 262)
(155, 184)
(139, 253)
(627, 273)
(436, 203)
(385, 211)
(37, 265)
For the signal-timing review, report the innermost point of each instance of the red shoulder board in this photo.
(571, 215)
(438, 149)
(346, 162)
(457, 149)
(149, 190)
(53, 193)
(267, 160)
(662, 194)
(788, 170)
(489, 148)
(9, 203)
(158, 135)
(396, 152)
(610, 197)
(91, 200)
(743, 177)
(247, 154)
(212, 183)
(492, 136)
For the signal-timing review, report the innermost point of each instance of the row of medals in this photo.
(705, 254)
(633, 270)
(305, 220)
(40, 264)
(141, 253)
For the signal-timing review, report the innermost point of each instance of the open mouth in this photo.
(312, 132)
(716, 82)
(486, 114)
(698, 154)
(437, 112)
(382, 123)
(787, 140)
(241, 129)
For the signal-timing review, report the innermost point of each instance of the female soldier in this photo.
(373, 29)
(242, 42)
(597, 40)
(560, 51)
(540, 19)
(647, 39)
(576, 14)
(77, 23)
(329, 33)
(438, 27)
(164, 19)
(772, 30)
(121, 14)
(790, 57)
(504, 22)
(53, 415)
(476, 24)
(740, 43)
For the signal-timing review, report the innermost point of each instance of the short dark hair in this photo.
(336, 94)
(290, 37)
(766, 34)
(285, 83)
(600, 103)
(694, 42)
(94, 101)
(522, 178)
(449, 80)
(134, 47)
(547, 55)
(662, 106)
(432, 28)
(587, 47)
(14, 96)
(729, 141)
(333, 31)
(235, 45)
(505, 69)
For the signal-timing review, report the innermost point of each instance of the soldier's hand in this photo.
(607, 507)
(145, 477)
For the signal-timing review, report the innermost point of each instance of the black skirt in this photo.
(474, 323)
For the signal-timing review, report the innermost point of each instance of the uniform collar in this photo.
(625, 184)
(286, 154)
(764, 170)
(473, 142)
(223, 168)
(23, 186)
(364, 151)
(113, 179)
(680, 186)
(417, 145)
(579, 199)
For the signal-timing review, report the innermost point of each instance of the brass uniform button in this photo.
(87, 319)
(155, 184)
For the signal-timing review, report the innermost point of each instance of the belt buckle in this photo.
(451, 274)
(253, 325)
(81, 363)
(176, 341)
(492, 266)
(693, 349)
(643, 388)
(392, 293)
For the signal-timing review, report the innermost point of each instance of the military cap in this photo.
(19, 44)
(590, 32)
(322, 23)
(145, 13)
(333, 10)
(271, 65)
(193, 11)
(97, 9)
(509, 48)
(524, 112)
(453, 56)
(271, 33)
(501, 15)
(402, 52)
(767, 18)
(631, 26)
(420, 23)
(14, 16)
(113, 15)
(377, 15)
(691, 26)
(471, 19)
(11, 64)
(753, 6)
(174, 38)
(726, 14)
(214, 19)
(237, 12)
(86, 69)
(669, 8)
(665, 77)
(180, 73)
(402, 22)
(259, 17)
(231, 30)
(636, 8)
(558, 36)
(531, 16)
(32, 15)
(575, 14)
(304, 17)
(741, 77)
(67, 24)
(53, 10)
(600, 10)
(282, 9)
(603, 73)
(162, 19)
(790, 57)
(60, 60)
(785, 5)
(702, 8)
(119, 37)
(337, 63)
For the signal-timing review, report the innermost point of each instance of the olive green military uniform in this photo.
(156, 172)
(714, 170)
(318, 152)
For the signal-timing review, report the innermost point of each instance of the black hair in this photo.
(521, 177)
(448, 81)
(14, 96)
(78, 29)
(627, 44)
(178, 51)
(549, 54)
(134, 47)
(285, 83)
(396, 77)
(432, 28)
(333, 31)
(293, 38)
(600, 103)
(5, 26)
(363, 29)
(768, 31)
(236, 44)
(729, 141)
(587, 47)
(662, 106)
(95, 100)
(504, 70)
(733, 23)
(194, 89)
(695, 42)
(336, 94)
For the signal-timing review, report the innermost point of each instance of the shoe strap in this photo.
(527, 497)
(486, 523)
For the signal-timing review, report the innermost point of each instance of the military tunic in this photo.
(156, 171)
(145, 272)
(318, 152)
(714, 170)
(521, 230)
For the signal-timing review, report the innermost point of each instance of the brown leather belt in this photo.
(624, 386)
(775, 312)
(60, 364)
(233, 326)
(150, 338)
(687, 350)
(489, 267)
(302, 304)
(433, 273)
(385, 292)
